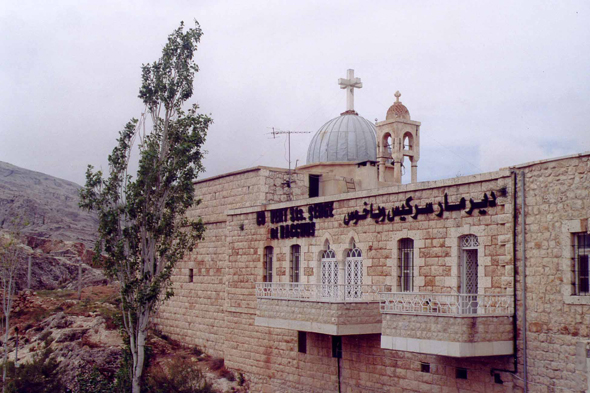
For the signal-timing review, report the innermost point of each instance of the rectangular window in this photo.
(581, 265)
(295, 263)
(337, 347)
(406, 265)
(425, 367)
(302, 342)
(268, 255)
(190, 275)
(314, 186)
(461, 373)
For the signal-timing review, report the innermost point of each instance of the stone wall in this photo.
(195, 314)
(323, 317)
(557, 204)
(444, 328)
(269, 356)
(218, 310)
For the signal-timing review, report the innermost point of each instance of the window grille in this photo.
(354, 273)
(295, 263)
(469, 267)
(581, 264)
(329, 274)
(406, 265)
(268, 255)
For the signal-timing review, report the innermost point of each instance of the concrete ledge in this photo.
(447, 348)
(323, 328)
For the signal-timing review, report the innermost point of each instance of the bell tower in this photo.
(397, 137)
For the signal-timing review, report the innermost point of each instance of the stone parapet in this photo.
(448, 335)
(319, 317)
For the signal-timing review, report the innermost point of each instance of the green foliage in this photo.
(39, 376)
(143, 230)
(181, 376)
(95, 382)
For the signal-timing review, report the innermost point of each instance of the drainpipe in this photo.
(493, 371)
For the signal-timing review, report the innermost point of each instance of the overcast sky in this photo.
(493, 83)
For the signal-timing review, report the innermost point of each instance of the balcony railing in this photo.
(465, 305)
(320, 292)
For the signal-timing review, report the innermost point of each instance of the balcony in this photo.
(328, 309)
(455, 325)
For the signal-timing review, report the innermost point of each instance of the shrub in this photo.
(181, 376)
(39, 376)
(95, 382)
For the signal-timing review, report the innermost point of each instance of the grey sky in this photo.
(493, 83)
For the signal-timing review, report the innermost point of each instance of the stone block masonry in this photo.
(219, 309)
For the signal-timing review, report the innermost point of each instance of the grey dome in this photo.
(348, 137)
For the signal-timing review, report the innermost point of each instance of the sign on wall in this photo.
(297, 222)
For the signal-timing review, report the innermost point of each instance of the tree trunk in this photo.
(16, 348)
(138, 369)
(5, 354)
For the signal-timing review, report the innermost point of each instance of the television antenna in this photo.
(275, 132)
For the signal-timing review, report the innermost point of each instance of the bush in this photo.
(98, 382)
(182, 376)
(95, 382)
(39, 376)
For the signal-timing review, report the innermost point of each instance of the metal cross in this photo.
(350, 84)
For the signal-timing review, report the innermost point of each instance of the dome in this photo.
(397, 110)
(348, 137)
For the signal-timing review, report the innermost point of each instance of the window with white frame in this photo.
(581, 265)
(295, 263)
(406, 265)
(268, 256)
(354, 273)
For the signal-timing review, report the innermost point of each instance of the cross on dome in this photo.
(350, 84)
(397, 96)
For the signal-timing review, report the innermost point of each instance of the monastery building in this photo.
(336, 277)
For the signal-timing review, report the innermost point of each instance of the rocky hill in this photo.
(47, 203)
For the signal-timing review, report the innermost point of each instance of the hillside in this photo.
(47, 203)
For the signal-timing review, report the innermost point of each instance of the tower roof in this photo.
(397, 110)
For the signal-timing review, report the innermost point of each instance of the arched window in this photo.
(295, 263)
(329, 273)
(354, 273)
(268, 257)
(406, 265)
(408, 141)
(468, 267)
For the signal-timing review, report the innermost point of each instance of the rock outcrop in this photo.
(48, 204)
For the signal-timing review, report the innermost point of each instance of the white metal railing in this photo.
(448, 304)
(333, 293)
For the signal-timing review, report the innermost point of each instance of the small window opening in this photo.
(582, 264)
(407, 144)
(190, 275)
(302, 342)
(314, 186)
(498, 379)
(337, 347)
(461, 373)
(425, 367)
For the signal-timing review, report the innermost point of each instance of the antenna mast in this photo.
(276, 132)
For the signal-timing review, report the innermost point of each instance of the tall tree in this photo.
(143, 229)
(11, 254)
